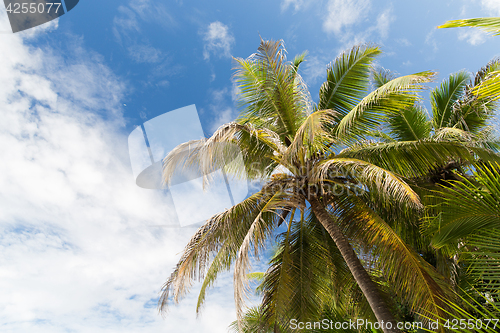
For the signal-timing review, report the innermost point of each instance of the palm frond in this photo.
(445, 96)
(258, 149)
(271, 90)
(252, 322)
(468, 314)
(226, 231)
(467, 208)
(408, 273)
(482, 255)
(409, 124)
(260, 229)
(387, 184)
(473, 111)
(415, 159)
(381, 76)
(313, 137)
(306, 275)
(490, 87)
(347, 79)
(488, 24)
(394, 95)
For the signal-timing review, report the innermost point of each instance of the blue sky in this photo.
(79, 250)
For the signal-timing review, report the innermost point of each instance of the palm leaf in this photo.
(226, 231)
(385, 183)
(416, 159)
(347, 79)
(407, 272)
(394, 95)
(488, 24)
(445, 96)
(467, 208)
(271, 90)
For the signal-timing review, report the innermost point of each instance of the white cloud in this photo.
(76, 248)
(493, 6)
(218, 40)
(222, 112)
(145, 53)
(472, 36)
(297, 4)
(384, 20)
(314, 69)
(404, 41)
(343, 13)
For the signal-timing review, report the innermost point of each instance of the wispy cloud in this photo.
(472, 36)
(344, 13)
(145, 53)
(314, 69)
(403, 41)
(384, 21)
(130, 17)
(493, 6)
(218, 40)
(296, 4)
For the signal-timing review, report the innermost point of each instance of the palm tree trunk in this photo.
(368, 287)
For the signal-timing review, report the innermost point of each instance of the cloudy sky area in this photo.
(82, 248)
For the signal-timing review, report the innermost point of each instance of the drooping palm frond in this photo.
(484, 139)
(415, 159)
(255, 238)
(224, 232)
(488, 24)
(399, 93)
(257, 147)
(467, 207)
(306, 275)
(482, 254)
(387, 185)
(412, 277)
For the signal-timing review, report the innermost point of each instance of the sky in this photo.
(82, 247)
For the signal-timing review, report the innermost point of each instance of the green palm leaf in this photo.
(271, 90)
(415, 159)
(407, 272)
(409, 124)
(467, 208)
(445, 96)
(399, 93)
(347, 79)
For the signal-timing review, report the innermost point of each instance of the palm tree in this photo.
(457, 115)
(308, 157)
